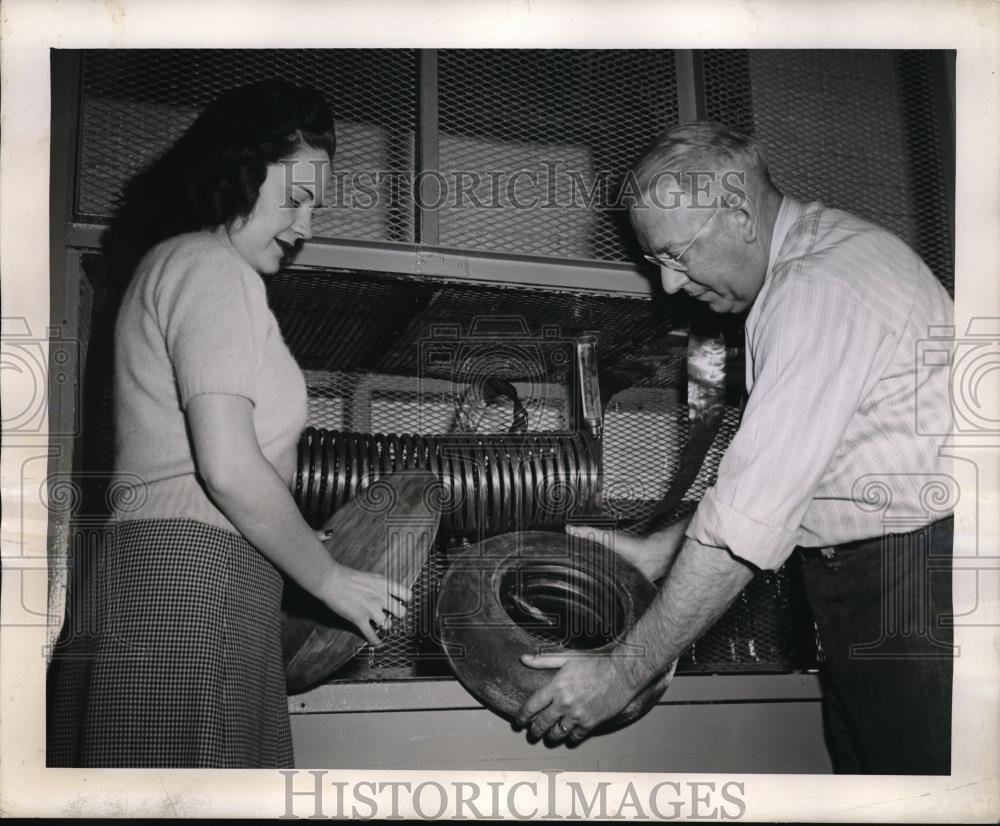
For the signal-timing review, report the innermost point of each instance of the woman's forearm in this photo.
(245, 486)
(257, 501)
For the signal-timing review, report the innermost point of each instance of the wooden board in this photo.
(389, 528)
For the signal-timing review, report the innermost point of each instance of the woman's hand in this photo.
(652, 555)
(369, 601)
(245, 486)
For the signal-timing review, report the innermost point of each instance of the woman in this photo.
(209, 405)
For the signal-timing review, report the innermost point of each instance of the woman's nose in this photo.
(672, 279)
(303, 224)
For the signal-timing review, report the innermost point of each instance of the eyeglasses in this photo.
(674, 261)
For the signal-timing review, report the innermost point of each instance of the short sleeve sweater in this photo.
(195, 320)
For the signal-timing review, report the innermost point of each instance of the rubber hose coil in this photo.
(538, 592)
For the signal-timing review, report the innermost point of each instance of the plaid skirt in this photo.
(185, 667)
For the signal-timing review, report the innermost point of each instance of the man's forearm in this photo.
(668, 543)
(699, 588)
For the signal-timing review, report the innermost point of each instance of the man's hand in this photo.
(652, 555)
(587, 690)
(590, 689)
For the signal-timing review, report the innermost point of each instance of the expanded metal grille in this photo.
(379, 403)
(541, 140)
(533, 144)
(646, 424)
(857, 130)
(357, 322)
(728, 95)
(768, 628)
(137, 102)
(926, 156)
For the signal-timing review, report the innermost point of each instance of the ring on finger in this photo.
(559, 729)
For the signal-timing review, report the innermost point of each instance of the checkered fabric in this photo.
(186, 667)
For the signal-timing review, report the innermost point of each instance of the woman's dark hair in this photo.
(212, 175)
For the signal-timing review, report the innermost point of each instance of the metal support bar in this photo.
(690, 85)
(64, 369)
(66, 69)
(446, 693)
(427, 146)
(580, 276)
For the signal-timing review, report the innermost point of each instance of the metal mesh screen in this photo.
(533, 144)
(645, 429)
(534, 134)
(358, 322)
(926, 156)
(728, 95)
(396, 388)
(136, 102)
(380, 403)
(857, 130)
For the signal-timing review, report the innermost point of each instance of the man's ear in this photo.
(744, 212)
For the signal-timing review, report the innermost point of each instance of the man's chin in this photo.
(718, 304)
(722, 304)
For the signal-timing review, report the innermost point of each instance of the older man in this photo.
(836, 308)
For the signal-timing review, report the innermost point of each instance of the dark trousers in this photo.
(883, 608)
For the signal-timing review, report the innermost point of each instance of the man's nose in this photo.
(672, 279)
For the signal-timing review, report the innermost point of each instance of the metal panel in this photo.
(527, 136)
(137, 102)
(784, 737)
(531, 145)
(859, 130)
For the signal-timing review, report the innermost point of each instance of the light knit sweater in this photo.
(194, 320)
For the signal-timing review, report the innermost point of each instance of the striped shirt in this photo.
(829, 450)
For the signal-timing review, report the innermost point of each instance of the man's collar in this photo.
(788, 213)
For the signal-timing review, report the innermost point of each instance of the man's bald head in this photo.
(703, 209)
(702, 161)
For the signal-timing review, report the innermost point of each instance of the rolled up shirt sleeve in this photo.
(817, 352)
